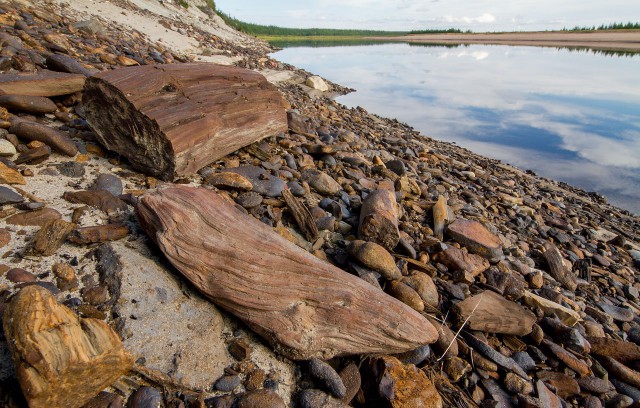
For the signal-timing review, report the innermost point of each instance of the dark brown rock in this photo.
(260, 399)
(105, 400)
(379, 219)
(65, 276)
(34, 156)
(52, 137)
(352, 381)
(145, 397)
(240, 349)
(19, 275)
(457, 260)
(98, 234)
(34, 218)
(375, 257)
(100, 199)
(65, 63)
(565, 386)
(5, 237)
(29, 104)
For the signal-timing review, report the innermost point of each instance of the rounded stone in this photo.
(260, 399)
(19, 275)
(108, 182)
(145, 397)
(71, 169)
(227, 383)
(375, 257)
(327, 377)
(249, 199)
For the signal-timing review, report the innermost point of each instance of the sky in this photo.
(403, 15)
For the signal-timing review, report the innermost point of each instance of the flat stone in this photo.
(62, 358)
(456, 368)
(517, 385)
(263, 183)
(92, 26)
(547, 398)
(54, 138)
(475, 237)
(7, 149)
(458, 260)
(29, 104)
(34, 156)
(8, 196)
(617, 313)
(568, 358)
(623, 351)
(229, 180)
(34, 218)
(108, 182)
(565, 386)
(65, 63)
(10, 176)
(375, 257)
(595, 385)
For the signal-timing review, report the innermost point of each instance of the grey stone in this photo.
(108, 182)
(8, 196)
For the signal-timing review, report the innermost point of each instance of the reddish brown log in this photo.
(379, 219)
(172, 120)
(304, 306)
(42, 83)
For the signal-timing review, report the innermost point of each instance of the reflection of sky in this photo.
(570, 116)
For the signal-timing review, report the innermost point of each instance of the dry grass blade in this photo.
(460, 329)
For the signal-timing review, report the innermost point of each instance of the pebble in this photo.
(517, 385)
(405, 294)
(323, 183)
(71, 169)
(296, 189)
(260, 399)
(227, 383)
(108, 182)
(8, 196)
(617, 313)
(375, 257)
(5, 237)
(30, 206)
(29, 104)
(19, 275)
(317, 399)
(249, 200)
(95, 295)
(254, 380)
(145, 397)
(66, 278)
(327, 377)
(352, 381)
(416, 356)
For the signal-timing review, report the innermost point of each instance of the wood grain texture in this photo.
(304, 306)
(42, 83)
(61, 360)
(172, 120)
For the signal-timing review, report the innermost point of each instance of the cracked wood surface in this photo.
(302, 305)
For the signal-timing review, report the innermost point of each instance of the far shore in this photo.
(615, 40)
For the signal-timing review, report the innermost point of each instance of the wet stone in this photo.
(8, 196)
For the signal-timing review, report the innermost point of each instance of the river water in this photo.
(572, 116)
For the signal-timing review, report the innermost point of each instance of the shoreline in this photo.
(493, 227)
(614, 40)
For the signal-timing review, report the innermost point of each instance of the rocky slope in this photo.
(541, 277)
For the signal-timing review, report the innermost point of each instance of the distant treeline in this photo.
(447, 31)
(258, 29)
(612, 26)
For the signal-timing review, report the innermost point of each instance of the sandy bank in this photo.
(625, 40)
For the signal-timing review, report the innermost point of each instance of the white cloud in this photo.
(484, 18)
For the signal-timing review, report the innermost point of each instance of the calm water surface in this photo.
(572, 116)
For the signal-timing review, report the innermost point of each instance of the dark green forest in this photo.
(612, 26)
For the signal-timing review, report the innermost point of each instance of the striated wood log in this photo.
(61, 360)
(379, 219)
(304, 306)
(42, 83)
(491, 313)
(439, 217)
(98, 233)
(172, 120)
(301, 214)
(51, 236)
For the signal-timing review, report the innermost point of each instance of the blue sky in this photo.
(477, 15)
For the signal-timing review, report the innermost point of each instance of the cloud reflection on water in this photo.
(569, 116)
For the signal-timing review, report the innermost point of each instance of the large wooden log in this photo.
(379, 219)
(304, 306)
(172, 120)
